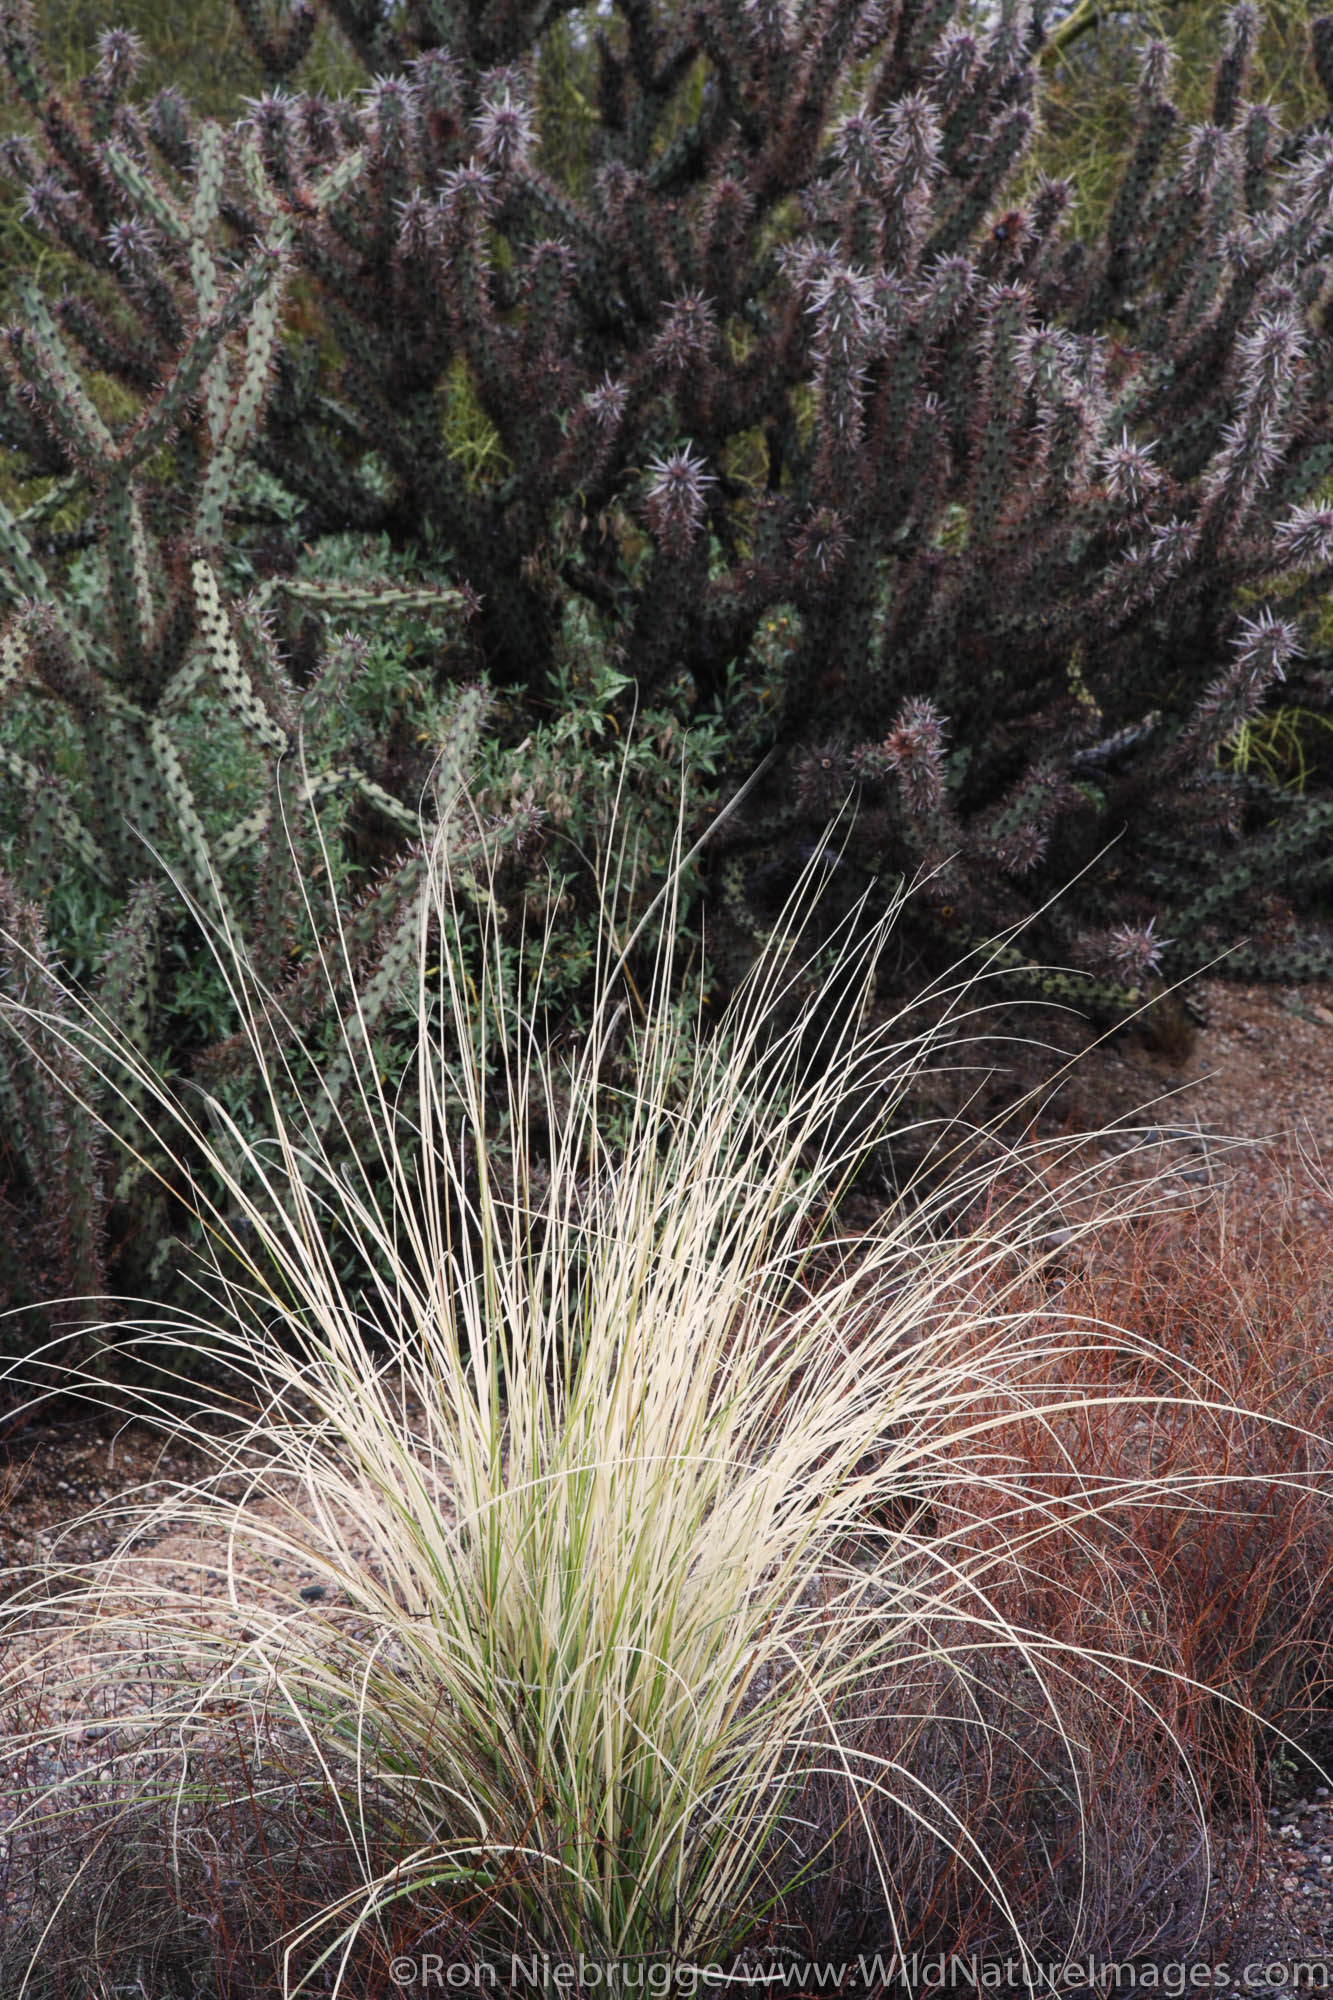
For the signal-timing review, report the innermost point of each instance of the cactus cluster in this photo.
(793, 381)
(128, 626)
(803, 332)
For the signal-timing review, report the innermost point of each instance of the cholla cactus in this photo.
(676, 499)
(53, 1195)
(151, 628)
(793, 333)
(1013, 481)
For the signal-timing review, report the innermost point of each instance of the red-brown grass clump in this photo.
(1197, 1611)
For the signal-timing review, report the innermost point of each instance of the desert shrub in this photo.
(1240, 1289)
(1088, 1809)
(1042, 511)
(813, 437)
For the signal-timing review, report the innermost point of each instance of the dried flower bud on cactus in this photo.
(119, 59)
(686, 333)
(503, 132)
(1019, 852)
(606, 403)
(860, 146)
(466, 194)
(677, 497)
(1305, 538)
(841, 304)
(1265, 645)
(130, 243)
(1131, 476)
(914, 750)
(1129, 953)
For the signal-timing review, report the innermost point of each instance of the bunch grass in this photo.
(617, 1475)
